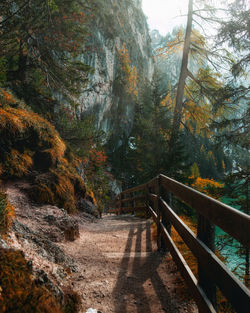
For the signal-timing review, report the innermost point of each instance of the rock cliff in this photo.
(118, 24)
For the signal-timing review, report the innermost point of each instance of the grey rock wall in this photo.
(117, 22)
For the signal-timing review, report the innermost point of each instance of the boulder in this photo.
(67, 224)
(88, 207)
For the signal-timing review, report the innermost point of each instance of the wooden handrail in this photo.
(212, 272)
(233, 222)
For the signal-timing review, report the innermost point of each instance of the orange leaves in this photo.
(208, 186)
(6, 98)
(18, 164)
(17, 122)
(97, 158)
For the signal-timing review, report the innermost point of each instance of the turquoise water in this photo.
(228, 247)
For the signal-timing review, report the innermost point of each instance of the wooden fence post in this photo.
(132, 203)
(167, 196)
(120, 211)
(116, 204)
(158, 212)
(206, 233)
(147, 203)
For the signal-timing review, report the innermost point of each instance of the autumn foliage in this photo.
(30, 144)
(18, 291)
(129, 72)
(7, 213)
(210, 187)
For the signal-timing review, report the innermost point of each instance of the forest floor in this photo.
(114, 265)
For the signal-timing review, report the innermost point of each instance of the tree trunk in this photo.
(246, 249)
(22, 65)
(183, 76)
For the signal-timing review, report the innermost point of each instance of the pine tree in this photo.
(41, 42)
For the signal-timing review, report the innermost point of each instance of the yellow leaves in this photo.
(132, 82)
(129, 72)
(195, 171)
(197, 117)
(173, 46)
(168, 101)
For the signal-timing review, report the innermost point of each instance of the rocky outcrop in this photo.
(118, 22)
(33, 247)
(87, 207)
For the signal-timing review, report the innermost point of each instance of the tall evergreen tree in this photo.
(41, 43)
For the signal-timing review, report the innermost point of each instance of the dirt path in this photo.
(121, 271)
(114, 265)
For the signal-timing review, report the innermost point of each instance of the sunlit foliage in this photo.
(30, 143)
(208, 186)
(129, 72)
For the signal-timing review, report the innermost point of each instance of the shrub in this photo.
(6, 214)
(31, 147)
(72, 301)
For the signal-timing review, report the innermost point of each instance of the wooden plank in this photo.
(152, 182)
(134, 189)
(232, 288)
(153, 214)
(140, 208)
(131, 209)
(232, 221)
(167, 196)
(206, 233)
(201, 299)
(152, 197)
(136, 198)
(112, 210)
(127, 209)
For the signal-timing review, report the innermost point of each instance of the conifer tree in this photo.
(41, 43)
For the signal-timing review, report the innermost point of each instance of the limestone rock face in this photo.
(118, 23)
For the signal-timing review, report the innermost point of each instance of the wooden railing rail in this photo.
(155, 197)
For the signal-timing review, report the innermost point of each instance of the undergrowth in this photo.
(31, 148)
(223, 305)
(6, 214)
(18, 292)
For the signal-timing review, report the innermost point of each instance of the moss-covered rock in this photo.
(18, 291)
(31, 148)
(6, 214)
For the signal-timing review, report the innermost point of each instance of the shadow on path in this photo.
(137, 272)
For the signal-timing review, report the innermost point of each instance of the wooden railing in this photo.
(156, 198)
